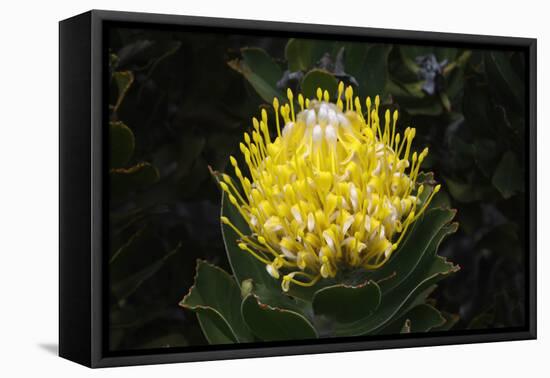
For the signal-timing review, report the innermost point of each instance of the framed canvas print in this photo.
(234, 188)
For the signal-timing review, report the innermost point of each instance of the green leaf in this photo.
(244, 265)
(214, 328)
(124, 180)
(425, 231)
(272, 323)
(275, 297)
(424, 317)
(355, 56)
(122, 142)
(372, 75)
(439, 269)
(318, 78)
(430, 269)
(262, 64)
(346, 303)
(216, 299)
(508, 177)
(113, 61)
(501, 73)
(297, 56)
(303, 54)
(421, 318)
(123, 81)
(306, 293)
(260, 71)
(441, 199)
(420, 298)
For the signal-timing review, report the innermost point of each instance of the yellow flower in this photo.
(334, 190)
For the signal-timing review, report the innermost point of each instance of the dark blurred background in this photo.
(180, 102)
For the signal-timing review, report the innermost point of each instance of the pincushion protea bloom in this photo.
(335, 190)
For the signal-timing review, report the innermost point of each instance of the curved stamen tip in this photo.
(273, 272)
(285, 284)
(289, 94)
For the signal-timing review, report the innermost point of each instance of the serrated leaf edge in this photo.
(204, 307)
(265, 306)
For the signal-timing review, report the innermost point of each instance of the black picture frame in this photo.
(83, 190)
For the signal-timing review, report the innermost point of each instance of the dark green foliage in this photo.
(336, 301)
(122, 144)
(422, 318)
(180, 102)
(273, 323)
(216, 298)
(318, 78)
(469, 107)
(260, 70)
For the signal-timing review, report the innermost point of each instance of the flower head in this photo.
(335, 189)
